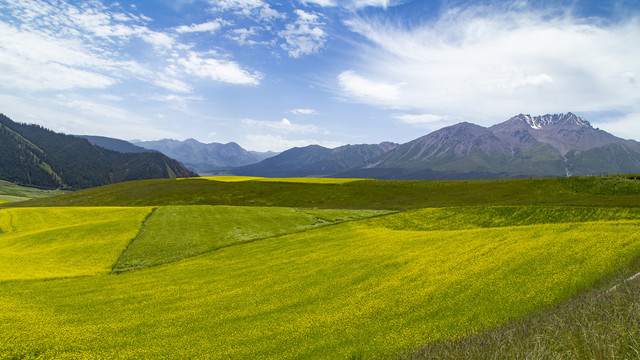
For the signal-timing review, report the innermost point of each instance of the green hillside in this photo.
(34, 156)
(370, 194)
(10, 192)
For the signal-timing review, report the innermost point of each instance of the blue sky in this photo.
(271, 75)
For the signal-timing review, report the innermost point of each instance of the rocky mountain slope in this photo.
(523, 146)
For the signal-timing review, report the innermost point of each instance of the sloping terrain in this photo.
(60, 242)
(367, 288)
(34, 156)
(177, 232)
(349, 194)
(114, 144)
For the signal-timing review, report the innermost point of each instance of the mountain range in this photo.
(523, 146)
(205, 158)
(34, 156)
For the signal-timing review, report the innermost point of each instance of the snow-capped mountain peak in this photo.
(542, 121)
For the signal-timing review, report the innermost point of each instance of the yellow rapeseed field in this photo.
(302, 180)
(59, 242)
(369, 288)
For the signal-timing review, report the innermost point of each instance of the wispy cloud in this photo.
(485, 63)
(218, 69)
(257, 9)
(73, 114)
(303, 111)
(419, 118)
(367, 90)
(354, 3)
(63, 46)
(279, 143)
(209, 26)
(284, 126)
(305, 36)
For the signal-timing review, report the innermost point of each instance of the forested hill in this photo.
(34, 156)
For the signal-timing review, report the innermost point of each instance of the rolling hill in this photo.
(32, 155)
(155, 279)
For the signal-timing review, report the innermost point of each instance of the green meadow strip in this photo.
(475, 217)
(173, 233)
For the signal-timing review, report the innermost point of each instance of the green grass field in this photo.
(10, 192)
(178, 232)
(371, 194)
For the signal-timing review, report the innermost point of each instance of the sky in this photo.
(271, 75)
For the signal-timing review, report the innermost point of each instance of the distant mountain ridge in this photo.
(114, 144)
(523, 146)
(34, 156)
(315, 160)
(202, 157)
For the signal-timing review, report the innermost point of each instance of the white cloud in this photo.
(171, 83)
(210, 26)
(79, 115)
(305, 36)
(278, 143)
(419, 119)
(37, 62)
(284, 125)
(353, 3)
(367, 90)
(218, 69)
(626, 126)
(62, 46)
(320, 2)
(364, 3)
(303, 111)
(243, 36)
(256, 9)
(486, 63)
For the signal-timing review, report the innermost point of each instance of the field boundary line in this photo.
(631, 278)
(142, 226)
(244, 242)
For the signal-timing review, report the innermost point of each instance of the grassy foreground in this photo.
(366, 288)
(603, 323)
